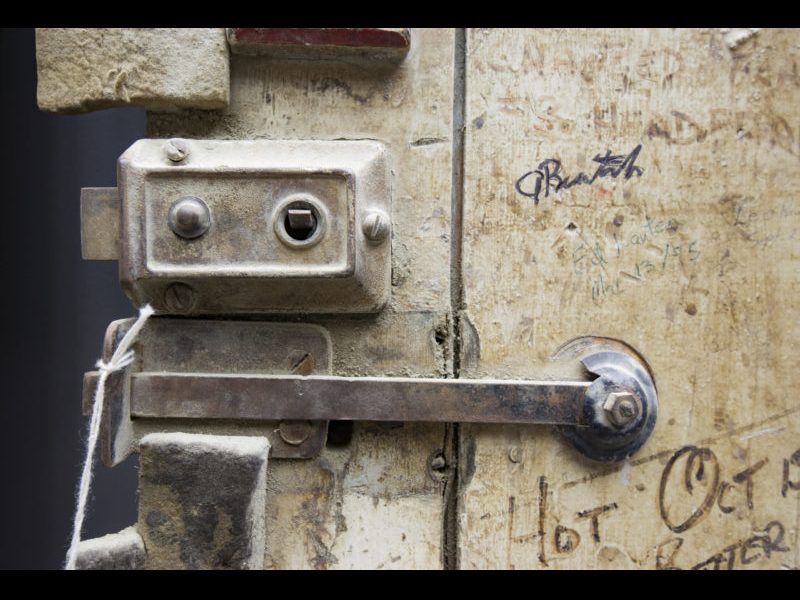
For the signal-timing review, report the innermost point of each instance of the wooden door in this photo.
(688, 251)
(633, 184)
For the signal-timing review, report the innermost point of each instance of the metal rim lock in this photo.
(299, 221)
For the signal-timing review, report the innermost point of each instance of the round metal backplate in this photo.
(620, 368)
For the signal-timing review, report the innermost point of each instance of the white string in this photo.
(121, 358)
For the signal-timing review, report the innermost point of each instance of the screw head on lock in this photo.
(176, 149)
(376, 226)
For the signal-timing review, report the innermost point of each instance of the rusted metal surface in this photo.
(189, 346)
(333, 36)
(320, 43)
(117, 439)
(197, 396)
(100, 223)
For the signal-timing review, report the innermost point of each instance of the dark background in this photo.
(56, 307)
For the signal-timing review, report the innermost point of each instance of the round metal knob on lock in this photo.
(189, 217)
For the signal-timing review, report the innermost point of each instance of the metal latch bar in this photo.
(267, 397)
(275, 377)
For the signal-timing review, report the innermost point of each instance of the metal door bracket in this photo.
(193, 347)
(263, 372)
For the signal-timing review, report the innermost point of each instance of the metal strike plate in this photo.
(606, 418)
(194, 346)
(211, 227)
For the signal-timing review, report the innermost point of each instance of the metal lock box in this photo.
(260, 226)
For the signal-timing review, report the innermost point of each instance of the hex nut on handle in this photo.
(176, 149)
(376, 225)
(621, 408)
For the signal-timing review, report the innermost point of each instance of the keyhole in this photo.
(300, 223)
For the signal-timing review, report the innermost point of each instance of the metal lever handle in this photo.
(606, 418)
(323, 398)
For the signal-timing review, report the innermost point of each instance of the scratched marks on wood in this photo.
(633, 256)
(716, 506)
(693, 260)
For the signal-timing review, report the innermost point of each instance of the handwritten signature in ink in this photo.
(549, 178)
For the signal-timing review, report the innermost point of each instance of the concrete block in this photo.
(159, 69)
(202, 501)
(113, 552)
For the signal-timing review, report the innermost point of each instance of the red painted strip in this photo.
(352, 37)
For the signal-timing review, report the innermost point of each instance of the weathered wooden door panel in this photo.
(372, 503)
(681, 238)
(630, 184)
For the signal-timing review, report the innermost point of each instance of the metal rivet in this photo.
(179, 297)
(621, 408)
(189, 217)
(176, 149)
(515, 454)
(376, 225)
(295, 433)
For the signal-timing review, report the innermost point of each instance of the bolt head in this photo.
(189, 217)
(621, 408)
(295, 433)
(176, 149)
(515, 454)
(376, 225)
